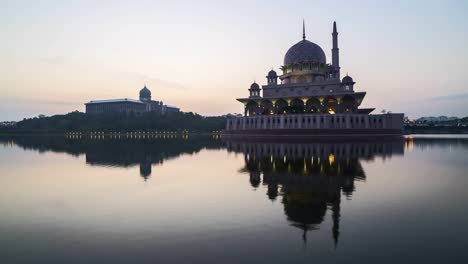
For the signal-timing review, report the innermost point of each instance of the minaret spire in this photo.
(335, 50)
(303, 29)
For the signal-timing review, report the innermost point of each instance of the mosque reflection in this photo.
(311, 177)
(124, 152)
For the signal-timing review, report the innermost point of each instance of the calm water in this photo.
(204, 199)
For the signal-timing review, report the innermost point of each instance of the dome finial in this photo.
(303, 29)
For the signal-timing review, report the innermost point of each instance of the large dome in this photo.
(304, 51)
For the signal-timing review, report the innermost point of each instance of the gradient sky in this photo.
(410, 56)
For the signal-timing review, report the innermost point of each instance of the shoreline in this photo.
(459, 131)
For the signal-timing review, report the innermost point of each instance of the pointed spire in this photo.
(303, 29)
(335, 50)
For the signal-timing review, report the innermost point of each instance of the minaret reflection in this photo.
(310, 178)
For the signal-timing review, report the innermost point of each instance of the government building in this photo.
(144, 104)
(309, 97)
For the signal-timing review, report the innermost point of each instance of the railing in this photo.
(316, 121)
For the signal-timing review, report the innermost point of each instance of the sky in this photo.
(409, 56)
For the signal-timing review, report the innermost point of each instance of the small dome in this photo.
(254, 86)
(145, 92)
(347, 79)
(304, 51)
(272, 73)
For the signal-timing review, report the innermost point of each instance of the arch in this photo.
(331, 105)
(301, 79)
(296, 67)
(297, 106)
(319, 78)
(312, 106)
(251, 108)
(349, 104)
(266, 107)
(281, 106)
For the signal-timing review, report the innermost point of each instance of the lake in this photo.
(206, 199)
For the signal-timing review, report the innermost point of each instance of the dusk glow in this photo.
(199, 55)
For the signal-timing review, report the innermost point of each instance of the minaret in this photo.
(335, 50)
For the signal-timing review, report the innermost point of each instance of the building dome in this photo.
(145, 93)
(254, 86)
(347, 79)
(304, 51)
(272, 73)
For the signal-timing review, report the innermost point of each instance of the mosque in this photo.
(144, 104)
(309, 97)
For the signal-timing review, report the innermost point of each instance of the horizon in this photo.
(408, 57)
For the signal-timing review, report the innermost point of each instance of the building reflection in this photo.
(310, 178)
(428, 142)
(124, 152)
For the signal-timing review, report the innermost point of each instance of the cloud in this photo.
(56, 60)
(34, 101)
(60, 61)
(160, 82)
(461, 96)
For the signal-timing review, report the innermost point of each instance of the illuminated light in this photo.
(331, 159)
(321, 100)
(331, 111)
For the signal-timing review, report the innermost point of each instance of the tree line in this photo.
(150, 121)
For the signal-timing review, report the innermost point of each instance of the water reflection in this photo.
(311, 177)
(203, 204)
(118, 151)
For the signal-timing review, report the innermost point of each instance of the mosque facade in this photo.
(309, 96)
(126, 105)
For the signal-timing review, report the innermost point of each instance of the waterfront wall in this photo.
(316, 121)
